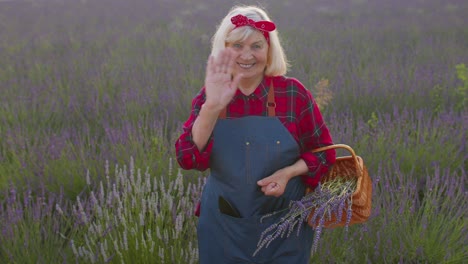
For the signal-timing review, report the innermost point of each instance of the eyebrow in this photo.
(258, 42)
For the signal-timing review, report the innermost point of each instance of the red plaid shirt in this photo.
(295, 108)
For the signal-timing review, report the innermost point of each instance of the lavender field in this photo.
(93, 94)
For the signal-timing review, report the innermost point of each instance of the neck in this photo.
(248, 86)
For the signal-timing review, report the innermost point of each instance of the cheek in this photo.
(264, 56)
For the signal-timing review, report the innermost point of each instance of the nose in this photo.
(246, 54)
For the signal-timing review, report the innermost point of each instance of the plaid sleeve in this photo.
(313, 133)
(188, 155)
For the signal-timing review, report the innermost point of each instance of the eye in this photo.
(237, 45)
(257, 46)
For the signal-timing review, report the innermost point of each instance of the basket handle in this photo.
(342, 146)
(357, 160)
(335, 146)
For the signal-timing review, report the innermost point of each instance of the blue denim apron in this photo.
(246, 150)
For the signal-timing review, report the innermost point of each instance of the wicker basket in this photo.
(349, 167)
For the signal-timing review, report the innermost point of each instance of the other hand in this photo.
(275, 184)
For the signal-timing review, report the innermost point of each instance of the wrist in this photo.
(296, 169)
(288, 172)
(212, 107)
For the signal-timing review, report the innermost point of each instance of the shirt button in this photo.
(247, 143)
(278, 142)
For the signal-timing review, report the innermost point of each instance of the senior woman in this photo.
(253, 127)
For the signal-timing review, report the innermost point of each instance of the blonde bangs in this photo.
(239, 34)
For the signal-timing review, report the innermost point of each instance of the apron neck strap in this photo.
(271, 104)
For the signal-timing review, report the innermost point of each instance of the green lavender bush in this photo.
(134, 216)
(128, 217)
(85, 82)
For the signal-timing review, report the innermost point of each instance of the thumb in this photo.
(264, 181)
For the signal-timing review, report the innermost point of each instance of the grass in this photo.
(89, 85)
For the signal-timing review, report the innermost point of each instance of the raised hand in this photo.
(220, 85)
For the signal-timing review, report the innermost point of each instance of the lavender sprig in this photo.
(329, 199)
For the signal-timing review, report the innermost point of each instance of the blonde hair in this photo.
(277, 63)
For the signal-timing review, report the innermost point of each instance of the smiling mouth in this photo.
(246, 66)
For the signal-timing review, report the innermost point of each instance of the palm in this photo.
(220, 87)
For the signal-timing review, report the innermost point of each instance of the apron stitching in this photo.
(272, 149)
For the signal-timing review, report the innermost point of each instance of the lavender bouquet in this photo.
(327, 203)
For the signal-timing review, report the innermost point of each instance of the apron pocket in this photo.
(240, 237)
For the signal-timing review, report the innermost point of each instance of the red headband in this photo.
(264, 26)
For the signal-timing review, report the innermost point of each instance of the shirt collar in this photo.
(260, 92)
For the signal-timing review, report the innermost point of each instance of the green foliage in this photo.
(8, 166)
(35, 241)
(373, 121)
(33, 231)
(62, 173)
(134, 216)
(462, 91)
(84, 82)
(458, 96)
(437, 99)
(414, 141)
(411, 218)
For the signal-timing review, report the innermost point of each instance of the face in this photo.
(251, 56)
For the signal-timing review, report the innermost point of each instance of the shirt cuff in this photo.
(316, 166)
(202, 158)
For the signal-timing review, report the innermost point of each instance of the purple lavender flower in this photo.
(329, 199)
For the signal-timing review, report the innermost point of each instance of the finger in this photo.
(272, 189)
(273, 186)
(231, 63)
(219, 62)
(264, 182)
(226, 58)
(210, 65)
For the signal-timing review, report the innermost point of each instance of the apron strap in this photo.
(271, 104)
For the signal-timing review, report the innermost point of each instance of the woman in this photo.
(254, 128)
